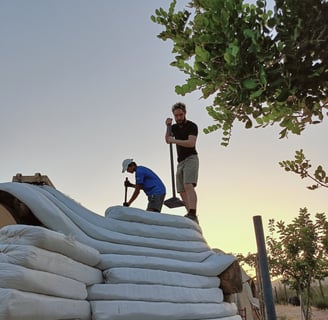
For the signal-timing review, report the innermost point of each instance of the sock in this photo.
(192, 212)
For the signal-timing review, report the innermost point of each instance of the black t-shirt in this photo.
(181, 132)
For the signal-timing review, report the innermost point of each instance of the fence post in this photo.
(264, 269)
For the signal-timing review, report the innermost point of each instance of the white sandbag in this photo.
(212, 266)
(48, 214)
(141, 310)
(19, 305)
(122, 249)
(148, 276)
(236, 317)
(154, 292)
(57, 217)
(127, 238)
(43, 260)
(153, 218)
(106, 232)
(103, 234)
(94, 227)
(49, 240)
(24, 279)
(172, 226)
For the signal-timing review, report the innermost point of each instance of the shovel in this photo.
(173, 202)
(126, 190)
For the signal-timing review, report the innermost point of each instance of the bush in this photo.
(319, 299)
(282, 294)
(320, 303)
(319, 296)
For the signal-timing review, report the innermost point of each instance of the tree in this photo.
(297, 253)
(301, 166)
(257, 65)
(300, 253)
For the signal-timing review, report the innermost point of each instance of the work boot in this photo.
(192, 217)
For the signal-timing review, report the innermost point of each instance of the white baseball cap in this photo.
(125, 164)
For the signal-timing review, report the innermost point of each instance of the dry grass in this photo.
(289, 312)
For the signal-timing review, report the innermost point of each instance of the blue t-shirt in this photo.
(150, 182)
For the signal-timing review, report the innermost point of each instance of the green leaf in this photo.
(234, 49)
(256, 94)
(249, 33)
(201, 54)
(320, 174)
(263, 79)
(259, 121)
(250, 84)
(228, 57)
(199, 66)
(180, 90)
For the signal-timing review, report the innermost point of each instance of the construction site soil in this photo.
(289, 312)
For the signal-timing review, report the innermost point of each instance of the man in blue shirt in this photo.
(148, 181)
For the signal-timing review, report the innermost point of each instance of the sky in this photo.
(86, 84)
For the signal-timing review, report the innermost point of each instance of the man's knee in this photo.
(189, 186)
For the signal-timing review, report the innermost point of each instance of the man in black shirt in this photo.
(184, 135)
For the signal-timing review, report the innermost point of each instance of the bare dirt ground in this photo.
(289, 312)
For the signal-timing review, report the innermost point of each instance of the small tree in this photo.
(297, 253)
(300, 253)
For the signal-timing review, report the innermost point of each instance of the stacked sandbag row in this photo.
(177, 279)
(157, 266)
(44, 274)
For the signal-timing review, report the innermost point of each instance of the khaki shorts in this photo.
(187, 172)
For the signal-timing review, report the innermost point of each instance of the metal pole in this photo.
(264, 269)
(172, 171)
(169, 128)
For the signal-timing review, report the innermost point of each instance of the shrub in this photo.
(320, 303)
